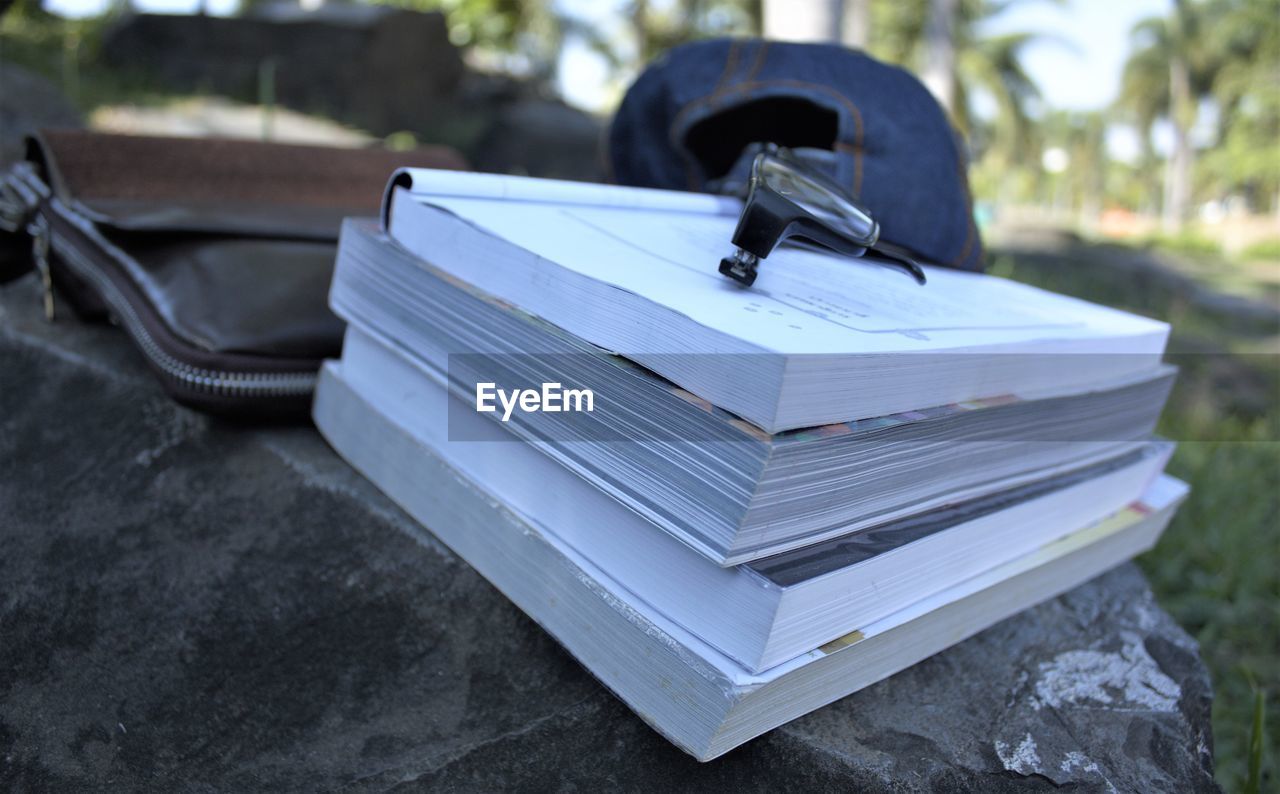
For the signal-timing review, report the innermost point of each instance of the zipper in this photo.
(201, 380)
(41, 237)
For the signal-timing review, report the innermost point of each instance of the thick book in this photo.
(702, 701)
(710, 479)
(819, 339)
(771, 610)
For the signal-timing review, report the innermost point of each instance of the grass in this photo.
(1262, 250)
(1187, 243)
(1253, 272)
(1217, 569)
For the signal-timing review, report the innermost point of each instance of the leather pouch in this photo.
(214, 256)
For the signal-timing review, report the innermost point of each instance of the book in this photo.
(767, 611)
(713, 481)
(701, 700)
(819, 339)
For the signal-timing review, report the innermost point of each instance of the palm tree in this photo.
(1143, 99)
(656, 28)
(1180, 31)
(1082, 135)
(1245, 38)
(994, 64)
(941, 39)
(855, 29)
(939, 69)
(1165, 76)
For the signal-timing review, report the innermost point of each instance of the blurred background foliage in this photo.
(1186, 227)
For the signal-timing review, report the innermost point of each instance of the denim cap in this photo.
(690, 119)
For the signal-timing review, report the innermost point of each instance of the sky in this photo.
(1077, 64)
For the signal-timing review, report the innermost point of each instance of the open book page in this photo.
(665, 246)
(434, 184)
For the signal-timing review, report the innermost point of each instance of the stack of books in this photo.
(733, 505)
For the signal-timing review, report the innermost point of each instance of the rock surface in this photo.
(29, 102)
(370, 65)
(383, 70)
(192, 605)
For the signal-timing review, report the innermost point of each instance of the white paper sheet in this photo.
(665, 246)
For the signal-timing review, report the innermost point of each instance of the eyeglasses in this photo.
(785, 200)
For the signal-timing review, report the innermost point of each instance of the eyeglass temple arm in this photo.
(761, 228)
(901, 257)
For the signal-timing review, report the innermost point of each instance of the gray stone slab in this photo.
(187, 604)
(28, 102)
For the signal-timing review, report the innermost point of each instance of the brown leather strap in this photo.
(92, 167)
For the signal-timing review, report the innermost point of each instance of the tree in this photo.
(1245, 41)
(1182, 112)
(964, 65)
(533, 30)
(656, 28)
(939, 70)
(994, 65)
(1166, 75)
(855, 30)
(1143, 99)
(1082, 135)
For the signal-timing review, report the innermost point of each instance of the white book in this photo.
(701, 700)
(771, 610)
(819, 338)
(717, 483)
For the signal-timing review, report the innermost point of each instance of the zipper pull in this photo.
(40, 234)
